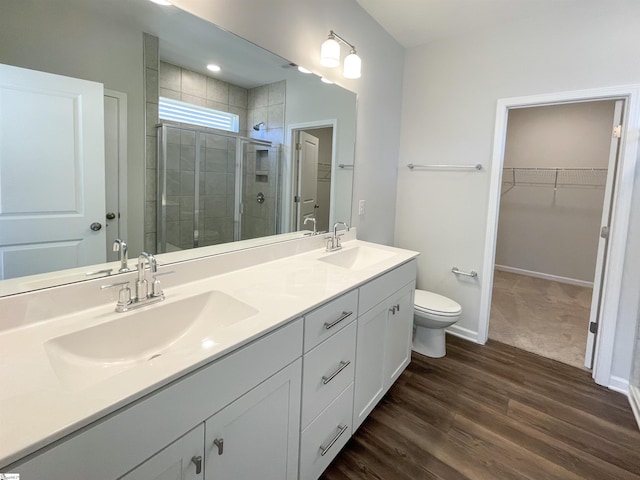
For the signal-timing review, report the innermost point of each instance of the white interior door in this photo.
(307, 176)
(51, 172)
(601, 260)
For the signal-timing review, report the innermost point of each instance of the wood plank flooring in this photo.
(493, 412)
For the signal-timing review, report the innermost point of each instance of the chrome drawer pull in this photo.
(343, 365)
(344, 315)
(198, 461)
(219, 442)
(341, 430)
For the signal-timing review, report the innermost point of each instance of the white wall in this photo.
(449, 103)
(295, 29)
(546, 231)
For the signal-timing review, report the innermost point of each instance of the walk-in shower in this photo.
(214, 188)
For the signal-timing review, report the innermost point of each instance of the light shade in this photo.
(352, 66)
(330, 53)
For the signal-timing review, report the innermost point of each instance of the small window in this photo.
(205, 117)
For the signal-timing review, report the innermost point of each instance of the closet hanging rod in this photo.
(477, 166)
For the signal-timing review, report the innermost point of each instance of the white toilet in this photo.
(432, 313)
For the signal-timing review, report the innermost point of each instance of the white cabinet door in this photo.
(399, 331)
(182, 460)
(257, 436)
(369, 376)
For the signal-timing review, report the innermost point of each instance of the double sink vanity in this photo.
(259, 363)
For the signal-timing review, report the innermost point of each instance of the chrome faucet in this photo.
(143, 296)
(315, 224)
(121, 246)
(333, 242)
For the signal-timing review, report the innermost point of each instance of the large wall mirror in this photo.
(164, 185)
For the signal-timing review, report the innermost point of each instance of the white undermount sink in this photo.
(357, 258)
(142, 335)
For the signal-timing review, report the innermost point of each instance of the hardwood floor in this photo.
(493, 412)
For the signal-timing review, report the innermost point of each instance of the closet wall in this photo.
(545, 230)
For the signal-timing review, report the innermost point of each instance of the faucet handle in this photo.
(156, 291)
(124, 295)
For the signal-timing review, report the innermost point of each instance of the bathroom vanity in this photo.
(258, 364)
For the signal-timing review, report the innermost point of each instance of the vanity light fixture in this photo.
(165, 3)
(326, 80)
(213, 67)
(330, 56)
(301, 69)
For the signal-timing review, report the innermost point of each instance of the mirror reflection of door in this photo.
(52, 190)
(307, 153)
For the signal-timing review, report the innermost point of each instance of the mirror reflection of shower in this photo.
(259, 126)
(208, 185)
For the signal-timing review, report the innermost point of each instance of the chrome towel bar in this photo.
(457, 271)
(477, 166)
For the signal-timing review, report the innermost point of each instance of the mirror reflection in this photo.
(277, 151)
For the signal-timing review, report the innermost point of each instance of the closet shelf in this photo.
(553, 177)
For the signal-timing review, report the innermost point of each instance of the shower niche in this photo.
(214, 188)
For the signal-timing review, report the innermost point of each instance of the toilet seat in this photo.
(434, 304)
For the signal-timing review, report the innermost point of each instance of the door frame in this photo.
(122, 162)
(288, 218)
(621, 208)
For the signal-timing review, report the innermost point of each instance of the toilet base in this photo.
(429, 342)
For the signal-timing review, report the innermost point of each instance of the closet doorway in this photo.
(557, 186)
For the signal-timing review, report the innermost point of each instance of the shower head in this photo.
(258, 126)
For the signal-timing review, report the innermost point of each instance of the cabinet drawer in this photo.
(332, 317)
(380, 288)
(324, 438)
(328, 370)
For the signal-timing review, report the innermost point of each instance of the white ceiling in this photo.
(417, 22)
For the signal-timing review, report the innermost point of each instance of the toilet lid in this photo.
(430, 302)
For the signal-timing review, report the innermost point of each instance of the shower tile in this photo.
(151, 85)
(187, 158)
(187, 137)
(216, 141)
(230, 181)
(277, 92)
(173, 156)
(275, 116)
(150, 151)
(170, 77)
(215, 183)
(173, 135)
(238, 96)
(150, 242)
(275, 135)
(217, 91)
(194, 84)
(186, 234)
(242, 117)
(150, 185)
(151, 49)
(168, 93)
(151, 116)
(173, 235)
(186, 208)
(173, 213)
(223, 107)
(193, 100)
(150, 217)
(259, 97)
(187, 183)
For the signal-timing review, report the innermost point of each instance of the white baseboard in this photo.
(462, 332)
(634, 400)
(619, 384)
(546, 276)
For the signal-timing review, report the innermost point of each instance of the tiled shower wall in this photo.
(217, 173)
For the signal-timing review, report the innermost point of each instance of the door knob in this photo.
(95, 226)
(111, 216)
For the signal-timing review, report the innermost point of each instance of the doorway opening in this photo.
(620, 179)
(313, 174)
(554, 199)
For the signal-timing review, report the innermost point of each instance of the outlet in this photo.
(361, 207)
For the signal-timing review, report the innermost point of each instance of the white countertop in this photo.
(39, 403)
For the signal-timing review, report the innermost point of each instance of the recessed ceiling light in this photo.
(213, 67)
(326, 81)
(166, 3)
(303, 70)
